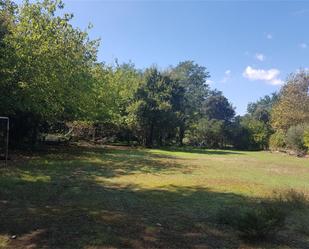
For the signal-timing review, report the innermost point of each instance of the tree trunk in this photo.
(181, 135)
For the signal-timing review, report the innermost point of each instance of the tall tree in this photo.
(152, 111)
(192, 78)
(292, 107)
(51, 74)
(217, 106)
(261, 109)
(114, 89)
(54, 61)
(7, 58)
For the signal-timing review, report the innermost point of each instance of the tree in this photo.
(257, 131)
(114, 89)
(192, 78)
(261, 109)
(152, 112)
(7, 58)
(48, 75)
(206, 132)
(277, 140)
(295, 139)
(292, 107)
(238, 134)
(217, 106)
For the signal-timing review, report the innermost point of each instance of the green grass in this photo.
(87, 197)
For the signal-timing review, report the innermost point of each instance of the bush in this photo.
(299, 222)
(255, 222)
(260, 222)
(277, 141)
(295, 139)
(206, 133)
(292, 200)
(228, 216)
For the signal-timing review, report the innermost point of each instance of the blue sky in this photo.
(249, 47)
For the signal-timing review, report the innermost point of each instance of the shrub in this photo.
(277, 141)
(228, 216)
(299, 222)
(296, 204)
(260, 222)
(292, 200)
(256, 222)
(295, 139)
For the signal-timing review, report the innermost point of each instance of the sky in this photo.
(249, 47)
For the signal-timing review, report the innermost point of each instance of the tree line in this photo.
(49, 73)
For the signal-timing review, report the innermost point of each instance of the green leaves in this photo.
(52, 62)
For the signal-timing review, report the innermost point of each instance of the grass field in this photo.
(117, 197)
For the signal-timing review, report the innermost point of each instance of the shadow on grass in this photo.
(64, 207)
(202, 151)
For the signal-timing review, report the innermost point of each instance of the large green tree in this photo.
(261, 109)
(217, 106)
(7, 58)
(192, 78)
(151, 112)
(54, 61)
(114, 90)
(48, 64)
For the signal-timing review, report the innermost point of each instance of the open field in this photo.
(117, 197)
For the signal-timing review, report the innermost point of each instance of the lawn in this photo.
(118, 197)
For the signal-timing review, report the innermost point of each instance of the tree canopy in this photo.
(50, 74)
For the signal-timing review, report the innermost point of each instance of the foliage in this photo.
(261, 109)
(216, 106)
(257, 131)
(211, 130)
(151, 113)
(53, 62)
(207, 133)
(114, 89)
(47, 66)
(50, 74)
(192, 81)
(292, 107)
(295, 138)
(291, 199)
(260, 222)
(263, 219)
(277, 141)
(299, 222)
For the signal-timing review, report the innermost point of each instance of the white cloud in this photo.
(269, 36)
(306, 69)
(260, 56)
(210, 82)
(270, 76)
(227, 76)
(300, 12)
(303, 45)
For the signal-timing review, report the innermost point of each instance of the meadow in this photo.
(95, 197)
